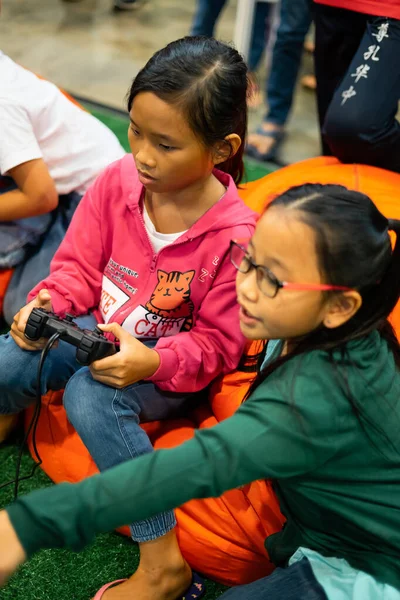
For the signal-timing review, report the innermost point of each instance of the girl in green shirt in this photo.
(322, 419)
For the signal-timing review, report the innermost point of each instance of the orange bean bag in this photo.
(223, 537)
(5, 278)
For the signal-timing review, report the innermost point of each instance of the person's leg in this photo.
(107, 420)
(338, 33)
(19, 369)
(296, 582)
(259, 38)
(16, 237)
(37, 266)
(206, 16)
(296, 18)
(360, 124)
(295, 21)
(260, 33)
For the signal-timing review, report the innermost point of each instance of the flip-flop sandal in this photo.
(196, 589)
(252, 151)
(105, 587)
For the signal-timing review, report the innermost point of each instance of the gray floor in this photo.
(92, 51)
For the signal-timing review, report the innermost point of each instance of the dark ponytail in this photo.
(391, 283)
(391, 280)
(208, 80)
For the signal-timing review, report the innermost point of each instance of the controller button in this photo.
(31, 332)
(35, 318)
(86, 343)
(82, 357)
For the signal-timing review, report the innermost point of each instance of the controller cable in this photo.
(34, 422)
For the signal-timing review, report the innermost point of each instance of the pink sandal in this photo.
(101, 591)
(196, 589)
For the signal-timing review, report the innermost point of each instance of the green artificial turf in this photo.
(60, 574)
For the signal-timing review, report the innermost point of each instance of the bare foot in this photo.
(164, 584)
(264, 143)
(309, 82)
(309, 46)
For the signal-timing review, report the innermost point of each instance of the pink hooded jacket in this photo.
(184, 295)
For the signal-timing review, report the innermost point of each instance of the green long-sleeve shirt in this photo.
(338, 487)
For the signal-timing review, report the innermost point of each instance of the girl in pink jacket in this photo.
(147, 255)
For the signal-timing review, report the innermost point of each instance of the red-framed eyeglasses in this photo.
(267, 282)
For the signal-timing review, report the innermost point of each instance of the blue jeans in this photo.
(208, 12)
(28, 245)
(16, 237)
(107, 419)
(295, 21)
(296, 582)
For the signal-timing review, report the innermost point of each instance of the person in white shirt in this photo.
(51, 150)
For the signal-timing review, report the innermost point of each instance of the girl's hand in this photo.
(42, 300)
(132, 363)
(12, 553)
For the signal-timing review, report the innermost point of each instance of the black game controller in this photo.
(91, 345)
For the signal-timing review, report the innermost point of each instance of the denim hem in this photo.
(140, 538)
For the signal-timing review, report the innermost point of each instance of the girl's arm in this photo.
(266, 438)
(36, 193)
(21, 158)
(76, 270)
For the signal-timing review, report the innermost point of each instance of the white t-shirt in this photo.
(38, 121)
(158, 240)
